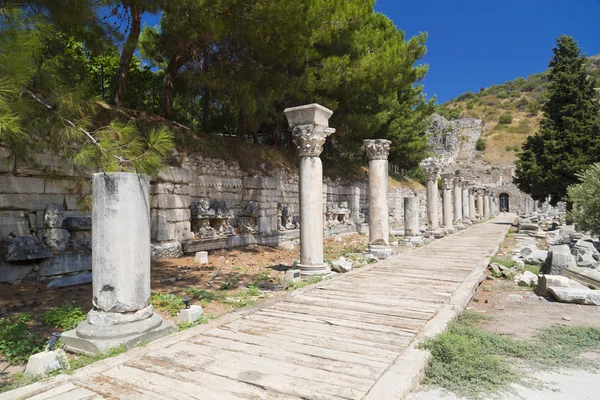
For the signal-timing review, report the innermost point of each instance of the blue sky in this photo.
(476, 43)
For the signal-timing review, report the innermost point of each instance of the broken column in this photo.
(447, 187)
(411, 217)
(310, 124)
(120, 268)
(379, 225)
(431, 170)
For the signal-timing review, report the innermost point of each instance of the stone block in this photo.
(46, 362)
(30, 202)
(52, 186)
(77, 223)
(166, 201)
(190, 315)
(528, 249)
(57, 240)
(193, 246)
(242, 240)
(66, 263)
(167, 250)
(201, 258)
(170, 215)
(342, 265)
(577, 296)
(16, 222)
(558, 260)
(73, 280)
(537, 257)
(292, 275)
(81, 241)
(170, 188)
(28, 247)
(21, 185)
(546, 281)
(164, 231)
(175, 175)
(14, 272)
(265, 225)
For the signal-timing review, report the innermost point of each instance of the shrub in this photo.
(523, 102)
(502, 94)
(65, 317)
(17, 343)
(505, 119)
(470, 105)
(167, 302)
(533, 107)
(586, 210)
(230, 283)
(480, 144)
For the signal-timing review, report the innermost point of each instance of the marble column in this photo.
(310, 128)
(465, 203)
(486, 203)
(457, 199)
(379, 224)
(472, 201)
(447, 188)
(479, 192)
(411, 216)
(120, 268)
(432, 170)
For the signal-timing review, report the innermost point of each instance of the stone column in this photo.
(486, 203)
(472, 201)
(457, 199)
(310, 124)
(411, 216)
(431, 170)
(447, 187)
(465, 203)
(379, 224)
(479, 192)
(120, 268)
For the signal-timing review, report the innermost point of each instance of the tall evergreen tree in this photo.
(568, 141)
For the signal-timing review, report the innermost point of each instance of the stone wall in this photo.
(205, 204)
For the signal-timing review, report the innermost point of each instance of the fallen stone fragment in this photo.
(586, 276)
(546, 281)
(577, 296)
(527, 278)
(342, 265)
(558, 260)
(537, 257)
(46, 362)
(168, 250)
(78, 279)
(587, 247)
(495, 268)
(527, 250)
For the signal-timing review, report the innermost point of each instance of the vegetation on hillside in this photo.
(584, 195)
(226, 68)
(569, 137)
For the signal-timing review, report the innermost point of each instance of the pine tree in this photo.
(568, 141)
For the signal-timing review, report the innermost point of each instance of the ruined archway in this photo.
(504, 200)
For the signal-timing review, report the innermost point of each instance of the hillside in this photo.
(518, 102)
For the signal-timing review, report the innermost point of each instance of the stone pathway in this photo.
(352, 337)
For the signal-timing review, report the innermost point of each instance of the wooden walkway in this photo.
(352, 337)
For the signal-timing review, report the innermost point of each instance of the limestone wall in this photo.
(205, 204)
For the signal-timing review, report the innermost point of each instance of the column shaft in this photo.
(311, 214)
(411, 216)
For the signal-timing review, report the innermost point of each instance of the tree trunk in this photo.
(127, 55)
(168, 92)
(276, 138)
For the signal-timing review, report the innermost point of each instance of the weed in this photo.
(300, 284)
(65, 317)
(253, 290)
(83, 360)
(167, 302)
(230, 284)
(186, 325)
(204, 295)
(261, 277)
(17, 342)
(471, 362)
(19, 380)
(532, 268)
(243, 298)
(506, 263)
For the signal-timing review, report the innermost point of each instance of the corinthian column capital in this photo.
(377, 149)
(309, 139)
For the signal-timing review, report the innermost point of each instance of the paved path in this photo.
(352, 337)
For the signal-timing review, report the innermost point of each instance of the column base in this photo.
(449, 230)
(459, 226)
(310, 270)
(467, 222)
(436, 233)
(90, 339)
(381, 251)
(413, 239)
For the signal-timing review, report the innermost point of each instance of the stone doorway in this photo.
(504, 202)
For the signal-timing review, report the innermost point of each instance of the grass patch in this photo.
(532, 268)
(65, 317)
(506, 263)
(230, 284)
(302, 283)
(170, 303)
(83, 360)
(17, 342)
(472, 363)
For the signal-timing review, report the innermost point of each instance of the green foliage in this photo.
(470, 105)
(506, 263)
(533, 107)
(480, 144)
(17, 342)
(505, 119)
(447, 112)
(65, 317)
(83, 360)
(302, 283)
(170, 303)
(261, 277)
(568, 141)
(586, 210)
(204, 295)
(230, 283)
(472, 362)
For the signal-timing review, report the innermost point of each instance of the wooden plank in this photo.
(317, 350)
(107, 388)
(165, 387)
(169, 366)
(387, 301)
(76, 394)
(57, 391)
(265, 373)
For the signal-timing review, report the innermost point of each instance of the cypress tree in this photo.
(568, 140)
